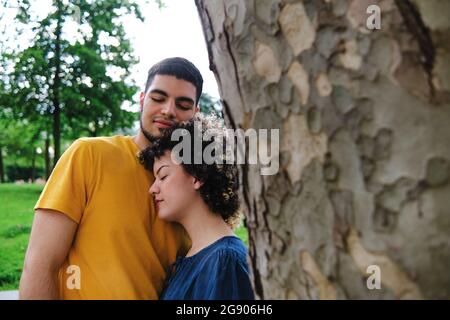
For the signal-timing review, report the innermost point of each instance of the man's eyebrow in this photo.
(186, 99)
(159, 91)
(179, 99)
(161, 168)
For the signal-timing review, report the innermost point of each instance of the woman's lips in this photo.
(157, 203)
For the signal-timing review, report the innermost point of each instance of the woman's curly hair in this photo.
(220, 182)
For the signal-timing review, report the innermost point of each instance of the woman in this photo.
(203, 198)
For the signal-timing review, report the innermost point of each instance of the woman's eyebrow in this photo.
(161, 168)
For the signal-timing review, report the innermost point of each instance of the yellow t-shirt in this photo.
(121, 247)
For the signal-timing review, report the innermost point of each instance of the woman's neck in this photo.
(204, 227)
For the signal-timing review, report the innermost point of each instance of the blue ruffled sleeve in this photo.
(223, 276)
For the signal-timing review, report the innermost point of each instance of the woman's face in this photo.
(173, 189)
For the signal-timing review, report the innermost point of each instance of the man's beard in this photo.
(150, 137)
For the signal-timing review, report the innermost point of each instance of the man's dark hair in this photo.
(180, 68)
(220, 181)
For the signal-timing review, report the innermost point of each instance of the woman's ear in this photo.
(197, 183)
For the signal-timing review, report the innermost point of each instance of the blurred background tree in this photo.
(209, 104)
(70, 81)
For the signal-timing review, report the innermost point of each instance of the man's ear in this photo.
(197, 183)
(141, 100)
(197, 109)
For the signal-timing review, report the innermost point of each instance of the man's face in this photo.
(168, 100)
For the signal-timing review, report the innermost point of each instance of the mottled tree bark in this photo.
(365, 130)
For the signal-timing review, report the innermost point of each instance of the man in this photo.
(95, 233)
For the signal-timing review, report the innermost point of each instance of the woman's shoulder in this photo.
(231, 244)
(227, 250)
(225, 274)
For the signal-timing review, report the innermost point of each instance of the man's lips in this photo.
(157, 202)
(163, 124)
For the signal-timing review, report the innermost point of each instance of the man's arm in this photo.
(51, 238)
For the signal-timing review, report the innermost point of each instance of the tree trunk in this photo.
(47, 158)
(364, 119)
(2, 169)
(56, 88)
(33, 166)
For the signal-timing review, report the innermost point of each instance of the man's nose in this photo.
(169, 108)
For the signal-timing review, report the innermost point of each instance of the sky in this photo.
(174, 30)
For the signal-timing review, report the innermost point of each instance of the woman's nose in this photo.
(154, 189)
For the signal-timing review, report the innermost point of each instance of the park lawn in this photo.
(241, 232)
(16, 216)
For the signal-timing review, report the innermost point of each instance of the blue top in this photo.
(217, 272)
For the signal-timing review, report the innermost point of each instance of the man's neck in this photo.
(140, 140)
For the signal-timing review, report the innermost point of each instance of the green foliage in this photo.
(89, 96)
(83, 76)
(209, 104)
(19, 140)
(242, 233)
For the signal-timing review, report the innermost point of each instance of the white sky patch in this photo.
(172, 31)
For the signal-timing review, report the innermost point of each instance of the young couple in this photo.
(98, 233)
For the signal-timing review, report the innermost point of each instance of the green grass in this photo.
(241, 232)
(16, 216)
